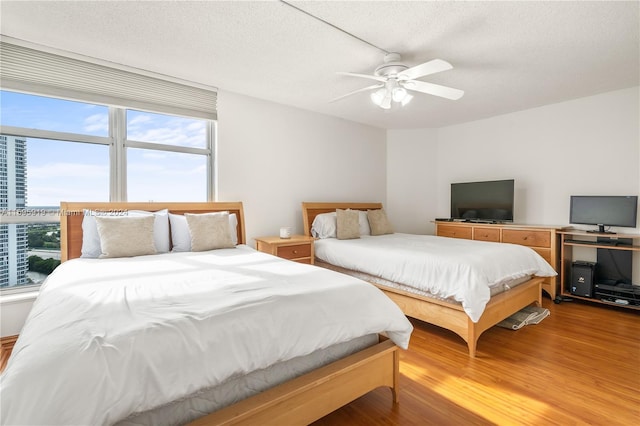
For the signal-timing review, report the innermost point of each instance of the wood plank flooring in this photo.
(581, 365)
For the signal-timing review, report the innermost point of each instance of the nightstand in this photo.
(298, 248)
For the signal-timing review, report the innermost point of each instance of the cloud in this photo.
(139, 119)
(56, 170)
(97, 123)
(53, 194)
(179, 131)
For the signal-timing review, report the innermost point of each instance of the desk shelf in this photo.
(603, 293)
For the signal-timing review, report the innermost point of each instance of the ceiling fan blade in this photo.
(434, 89)
(431, 67)
(370, 77)
(375, 86)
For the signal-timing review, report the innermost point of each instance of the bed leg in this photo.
(472, 347)
(396, 377)
(472, 338)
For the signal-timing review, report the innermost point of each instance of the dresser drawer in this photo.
(486, 234)
(527, 238)
(294, 251)
(453, 231)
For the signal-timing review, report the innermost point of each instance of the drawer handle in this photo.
(295, 252)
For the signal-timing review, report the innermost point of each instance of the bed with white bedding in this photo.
(167, 338)
(445, 267)
(463, 285)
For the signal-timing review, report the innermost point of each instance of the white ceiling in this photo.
(507, 56)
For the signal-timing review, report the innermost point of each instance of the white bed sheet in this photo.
(464, 270)
(107, 338)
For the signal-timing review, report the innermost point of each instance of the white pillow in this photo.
(91, 238)
(181, 238)
(126, 236)
(325, 225)
(365, 229)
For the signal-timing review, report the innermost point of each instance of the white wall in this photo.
(581, 147)
(412, 161)
(587, 146)
(273, 157)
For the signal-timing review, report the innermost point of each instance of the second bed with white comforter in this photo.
(464, 270)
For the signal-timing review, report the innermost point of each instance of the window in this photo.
(54, 150)
(154, 175)
(98, 131)
(167, 157)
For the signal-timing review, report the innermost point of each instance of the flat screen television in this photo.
(604, 210)
(488, 201)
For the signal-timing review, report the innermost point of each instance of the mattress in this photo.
(239, 388)
(495, 290)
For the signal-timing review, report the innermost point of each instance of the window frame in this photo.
(118, 143)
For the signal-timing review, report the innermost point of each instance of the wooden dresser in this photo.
(542, 239)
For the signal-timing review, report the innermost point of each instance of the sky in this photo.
(68, 171)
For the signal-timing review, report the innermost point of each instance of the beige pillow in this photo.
(126, 236)
(379, 222)
(209, 231)
(348, 224)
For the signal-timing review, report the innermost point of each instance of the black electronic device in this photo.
(621, 294)
(604, 210)
(488, 201)
(614, 266)
(582, 278)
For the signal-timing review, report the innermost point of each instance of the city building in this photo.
(14, 262)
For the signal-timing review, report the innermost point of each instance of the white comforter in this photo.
(447, 267)
(110, 337)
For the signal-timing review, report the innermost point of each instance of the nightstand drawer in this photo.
(486, 234)
(453, 231)
(527, 238)
(295, 251)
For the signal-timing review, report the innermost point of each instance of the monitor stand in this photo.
(600, 230)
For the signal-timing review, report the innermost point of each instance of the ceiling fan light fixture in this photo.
(378, 96)
(406, 99)
(399, 93)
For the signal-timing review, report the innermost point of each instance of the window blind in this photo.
(40, 72)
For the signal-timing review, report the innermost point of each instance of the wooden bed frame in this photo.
(299, 401)
(450, 316)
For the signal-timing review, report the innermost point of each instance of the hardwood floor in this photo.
(581, 365)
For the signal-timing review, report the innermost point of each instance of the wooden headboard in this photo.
(311, 210)
(71, 215)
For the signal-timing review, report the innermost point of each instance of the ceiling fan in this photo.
(395, 80)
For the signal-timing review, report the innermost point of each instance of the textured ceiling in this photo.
(507, 56)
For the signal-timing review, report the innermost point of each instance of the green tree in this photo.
(44, 266)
